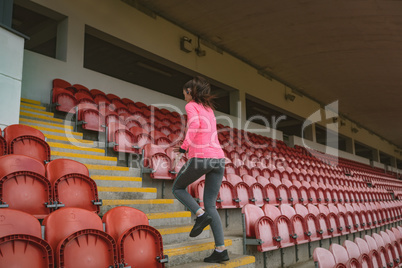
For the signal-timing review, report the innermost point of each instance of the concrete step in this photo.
(85, 158)
(126, 193)
(32, 106)
(177, 234)
(35, 111)
(236, 260)
(68, 148)
(40, 117)
(145, 205)
(117, 181)
(174, 218)
(198, 249)
(73, 141)
(58, 132)
(39, 123)
(112, 170)
(30, 101)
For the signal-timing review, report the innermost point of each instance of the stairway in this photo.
(122, 186)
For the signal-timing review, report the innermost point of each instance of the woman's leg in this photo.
(190, 172)
(213, 181)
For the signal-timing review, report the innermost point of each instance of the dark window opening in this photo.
(113, 57)
(39, 24)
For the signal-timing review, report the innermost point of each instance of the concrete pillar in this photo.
(11, 55)
(310, 133)
(75, 41)
(376, 155)
(350, 146)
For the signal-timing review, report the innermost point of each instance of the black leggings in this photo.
(192, 171)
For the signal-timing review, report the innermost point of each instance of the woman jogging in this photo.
(205, 158)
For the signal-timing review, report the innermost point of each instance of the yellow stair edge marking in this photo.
(33, 106)
(115, 178)
(45, 123)
(233, 263)
(36, 116)
(97, 157)
(112, 202)
(103, 167)
(167, 215)
(55, 130)
(74, 147)
(36, 111)
(177, 230)
(30, 101)
(127, 189)
(72, 140)
(194, 248)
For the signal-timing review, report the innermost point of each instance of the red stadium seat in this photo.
(241, 189)
(299, 227)
(3, 144)
(256, 190)
(77, 237)
(140, 245)
(20, 241)
(89, 117)
(23, 185)
(324, 226)
(324, 258)
(312, 225)
(354, 254)
(226, 196)
(27, 141)
(284, 234)
(72, 187)
(63, 100)
(341, 256)
(375, 252)
(365, 256)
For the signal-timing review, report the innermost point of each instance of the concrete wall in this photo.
(11, 60)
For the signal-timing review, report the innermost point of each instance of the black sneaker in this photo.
(200, 223)
(217, 257)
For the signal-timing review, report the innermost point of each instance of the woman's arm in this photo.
(193, 125)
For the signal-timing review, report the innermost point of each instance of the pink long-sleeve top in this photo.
(201, 138)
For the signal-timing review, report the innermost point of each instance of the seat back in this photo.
(18, 222)
(340, 254)
(13, 163)
(119, 219)
(251, 215)
(323, 258)
(77, 236)
(60, 167)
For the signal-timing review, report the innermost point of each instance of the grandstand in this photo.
(91, 107)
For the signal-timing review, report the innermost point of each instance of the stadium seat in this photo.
(241, 190)
(227, 196)
(336, 222)
(299, 227)
(341, 256)
(312, 225)
(324, 226)
(63, 100)
(353, 250)
(122, 139)
(21, 243)
(284, 234)
(376, 252)
(3, 144)
(23, 185)
(77, 237)
(89, 117)
(139, 244)
(323, 258)
(367, 256)
(25, 140)
(72, 187)
(256, 190)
